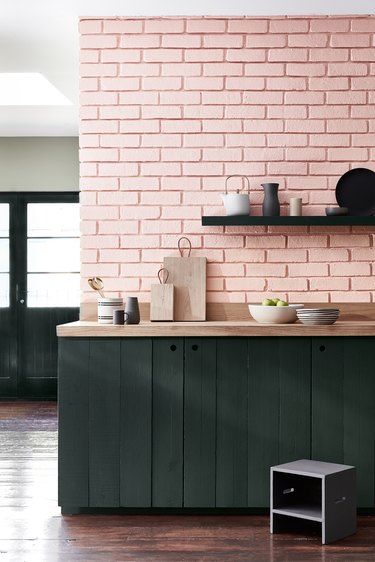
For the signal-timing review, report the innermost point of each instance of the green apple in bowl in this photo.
(274, 302)
(268, 302)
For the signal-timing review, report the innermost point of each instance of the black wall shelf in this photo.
(244, 220)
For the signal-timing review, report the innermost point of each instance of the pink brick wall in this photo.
(170, 106)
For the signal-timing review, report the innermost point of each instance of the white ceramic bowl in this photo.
(274, 314)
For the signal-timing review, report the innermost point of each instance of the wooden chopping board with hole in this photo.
(188, 275)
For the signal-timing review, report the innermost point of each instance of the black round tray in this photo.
(356, 191)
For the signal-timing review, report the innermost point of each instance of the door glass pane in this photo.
(53, 260)
(52, 219)
(4, 220)
(53, 255)
(4, 255)
(53, 289)
(4, 290)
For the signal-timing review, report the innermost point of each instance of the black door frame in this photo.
(18, 268)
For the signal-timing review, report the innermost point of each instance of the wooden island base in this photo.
(196, 422)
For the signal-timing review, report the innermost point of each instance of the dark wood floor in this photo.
(33, 530)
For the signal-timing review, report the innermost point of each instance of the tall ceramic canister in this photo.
(106, 307)
(236, 203)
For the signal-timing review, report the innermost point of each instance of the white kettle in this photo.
(236, 203)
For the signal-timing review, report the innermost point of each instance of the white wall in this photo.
(39, 164)
(203, 7)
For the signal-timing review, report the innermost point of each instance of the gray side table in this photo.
(317, 491)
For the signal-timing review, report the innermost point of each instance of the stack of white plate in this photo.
(318, 316)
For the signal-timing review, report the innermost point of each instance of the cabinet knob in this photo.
(194, 347)
(173, 347)
(322, 348)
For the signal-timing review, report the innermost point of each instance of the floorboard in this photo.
(33, 530)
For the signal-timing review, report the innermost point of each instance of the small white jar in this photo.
(295, 209)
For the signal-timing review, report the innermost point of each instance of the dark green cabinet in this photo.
(197, 422)
(343, 407)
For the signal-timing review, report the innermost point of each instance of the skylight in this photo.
(29, 88)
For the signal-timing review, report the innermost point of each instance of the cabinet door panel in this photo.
(135, 424)
(167, 438)
(200, 422)
(279, 409)
(104, 423)
(73, 377)
(343, 421)
(231, 454)
(295, 399)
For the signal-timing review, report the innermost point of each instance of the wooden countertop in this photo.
(85, 328)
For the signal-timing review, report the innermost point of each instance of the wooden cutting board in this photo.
(161, 306)
(188, 275)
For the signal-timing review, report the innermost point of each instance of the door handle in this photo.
(18, 295)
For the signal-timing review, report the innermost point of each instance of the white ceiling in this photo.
(42, 36)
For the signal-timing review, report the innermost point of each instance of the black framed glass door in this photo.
(39, 287)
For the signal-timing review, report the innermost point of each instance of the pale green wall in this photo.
(39, 164)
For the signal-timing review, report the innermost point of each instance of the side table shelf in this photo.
(311, 512)
(315, 491)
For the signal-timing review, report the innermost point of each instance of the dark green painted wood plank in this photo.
(135, 423)
(104, 423)
(344, 408)
(200, 422)
(295, 399)
(279, 408)
(328, 367)
(167, 452)
(245, 220)
(231, 453)
(263, 429)
(38, 342)
(8, 353)
(73, 467)
(359, 415)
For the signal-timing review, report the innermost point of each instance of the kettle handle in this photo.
(237, 176)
